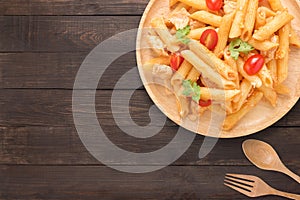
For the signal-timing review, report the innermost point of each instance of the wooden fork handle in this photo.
(286, 194)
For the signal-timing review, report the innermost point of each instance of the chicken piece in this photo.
(162, 71)
(180, 19)
(157, 45)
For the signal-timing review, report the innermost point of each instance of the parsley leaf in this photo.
(182, 33)
(238, 46)
(191, 89)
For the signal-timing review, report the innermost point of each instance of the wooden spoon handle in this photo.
(286, 194)
(291, 174)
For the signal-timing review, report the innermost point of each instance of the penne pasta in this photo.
(232, 119)
(238, 22)
(294, 39)
(282, 68)
(193, 75)
(284, 34)
(207, 18)
(249, 20)
(196, 33)
(164, 34)
(241, 58)
(269, 94)
(198, 4)
(223, 33)
(254, 80)
(207, 71)
(282, 89)
(163, 60)
(276, 5)
(265, 45)
(218, 94)
(266, 31)
(265, 76)
(272, 66)
(212, 60)
(245, 89)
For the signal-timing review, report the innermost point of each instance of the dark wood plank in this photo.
(89, 183)
(57, 70)
(62, 146)
(54, 108)
(72, 7)
(60, 33)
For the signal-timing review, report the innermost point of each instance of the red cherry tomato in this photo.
(203, 103)
(209, 38)
(176, 60)
(254, 64)
(214, 5)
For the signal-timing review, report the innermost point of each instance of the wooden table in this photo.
(43, 44)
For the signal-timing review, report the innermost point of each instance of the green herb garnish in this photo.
(238, 46)
(191, 89)
(182, 33)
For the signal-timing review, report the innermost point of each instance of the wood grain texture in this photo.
(57, 70)
(180, 182)
(54, 108)
(60, 34)
(72, 7)
(62, 146)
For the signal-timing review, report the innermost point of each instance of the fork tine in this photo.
(245, 192)
(242, 176)
(235, 183)
(232, 178)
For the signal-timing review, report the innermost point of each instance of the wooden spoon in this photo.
(265, 157)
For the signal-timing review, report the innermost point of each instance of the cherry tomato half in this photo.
(214, 5)
(209, 38)
(254, 64)
(176, 60)
(203, 103)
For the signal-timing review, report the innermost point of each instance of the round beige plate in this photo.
(259, 118)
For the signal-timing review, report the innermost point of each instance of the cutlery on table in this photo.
(253, 186)
(265, 157)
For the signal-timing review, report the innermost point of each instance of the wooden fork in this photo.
(253, 186)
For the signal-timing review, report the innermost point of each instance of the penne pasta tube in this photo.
(206, 70)
(196, 33)
(276, 5)
(294, 39)
(249, 20)
(223, 33)
(217, 94)
(180, 75)
(164, 34)
(183, 105)
(162, 60)
(245, 89)
(172, 2)
(261, 19)
(269, 94)
(265, 45)
(254, 80)
(266, 31)
(207, 18)
(265, 76)
(282, 89)
(284, 34)
(238, 22)
(282, 68)
(212, 60)
(193, 75)
(267, 12)
(198, 4)
(232, 119)
(272, 66)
